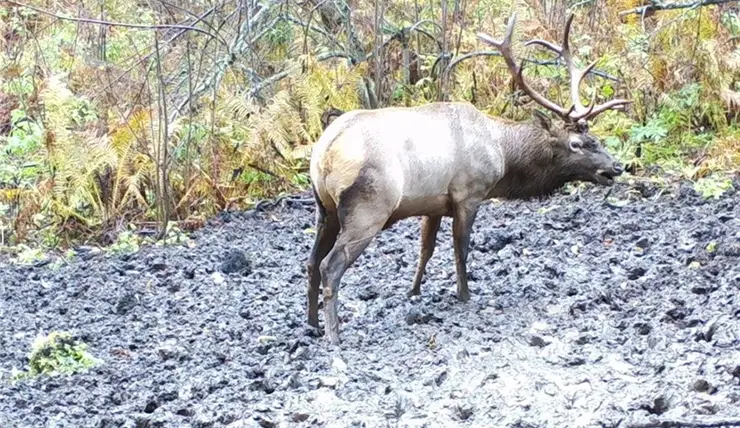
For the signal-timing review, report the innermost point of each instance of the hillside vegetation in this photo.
(186, 108)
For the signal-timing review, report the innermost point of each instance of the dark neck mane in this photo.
(532, 168)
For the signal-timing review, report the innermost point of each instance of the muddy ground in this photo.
(586, 310)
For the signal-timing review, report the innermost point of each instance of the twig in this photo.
(457, 60)
(460, 29)
(672, 6)
(145, 57)
(162, 161)
(580, 3)
(461, 58)
(307, 26)
(192, 14)
(285, 73)
(118, 24)
(238, 46)
(593, 71)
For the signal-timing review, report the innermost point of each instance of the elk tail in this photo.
(320, 208)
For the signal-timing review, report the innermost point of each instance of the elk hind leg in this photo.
(360, 221)
(327, 229)
(429, 229)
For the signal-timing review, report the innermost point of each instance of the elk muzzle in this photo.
(605, 176)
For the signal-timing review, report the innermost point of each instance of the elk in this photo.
(372, 168)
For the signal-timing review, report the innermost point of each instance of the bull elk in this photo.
(372, 168)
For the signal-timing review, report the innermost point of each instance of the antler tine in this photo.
(552, 46)
(579, 112)
(617, 104)
(516, 71)
(576, 75)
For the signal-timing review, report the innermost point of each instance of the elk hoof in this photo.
(311, 331)
(413, 292)
(313, 321)
(463, 296)
(333, 337)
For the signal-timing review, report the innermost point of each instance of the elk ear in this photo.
(542, 120)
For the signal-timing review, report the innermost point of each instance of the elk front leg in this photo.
(462, 225)
(429, 229)
(327, 228)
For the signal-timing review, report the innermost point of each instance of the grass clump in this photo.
(57, 354)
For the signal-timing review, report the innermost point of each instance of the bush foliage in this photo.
(195, 107)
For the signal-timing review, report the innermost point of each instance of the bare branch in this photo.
(147, 56)
(118, 24)
(672, 6)
(285, 73)
(415, 27)
(238, 44)
(461, 58)
(315, 29)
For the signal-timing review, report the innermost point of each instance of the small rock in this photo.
(659, 406)
(300, 417)
(464, 411)
(125, 303)
(328, 381)
(266, 339)
(643, 328)
(184, 411)
(701, 385)
(550, 389)
(367, 293)
(157, 266)
(244, 423)
(735, 372)
(440, 378)
(168, 351)
(538, 341)
(339, 365)
(150, 407)
(218, 278)
(265, 423)
(173, 287)
(236, 261)
(414, 316)
(635, 273)
(643, 243)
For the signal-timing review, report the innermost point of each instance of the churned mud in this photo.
(606, 308)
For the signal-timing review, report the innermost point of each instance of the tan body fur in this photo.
(427, 156)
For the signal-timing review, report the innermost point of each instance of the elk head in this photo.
(574, 149)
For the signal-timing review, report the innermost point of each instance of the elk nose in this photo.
(618, 168)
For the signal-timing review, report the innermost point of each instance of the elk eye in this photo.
(576, 146)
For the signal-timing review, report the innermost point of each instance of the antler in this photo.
(577, 112)
(504, 47)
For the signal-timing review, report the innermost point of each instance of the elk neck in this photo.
(533, 168)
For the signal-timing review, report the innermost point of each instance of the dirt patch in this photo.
(585, 311)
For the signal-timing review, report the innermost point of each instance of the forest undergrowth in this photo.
(122, 122)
